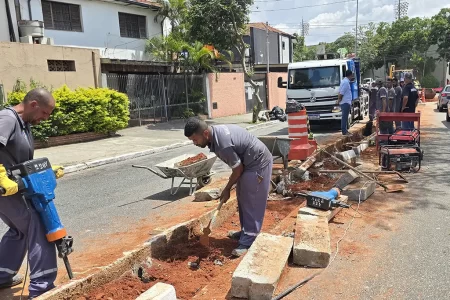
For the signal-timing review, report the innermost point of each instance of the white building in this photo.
(118, 28)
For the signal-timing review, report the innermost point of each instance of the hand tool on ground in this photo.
(386, 188)
(367, 172)
(37, 183)
(324, 200)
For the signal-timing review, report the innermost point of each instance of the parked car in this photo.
(448, 113)
(443, 99)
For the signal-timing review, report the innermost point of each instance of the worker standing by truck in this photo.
(26, 231)
(345, 98)
(383, 106)
(251, 164)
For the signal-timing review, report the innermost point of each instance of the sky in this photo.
(329, 19)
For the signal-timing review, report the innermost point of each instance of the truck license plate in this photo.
(314, 117)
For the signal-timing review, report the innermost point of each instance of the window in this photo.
(283, 45)
(61, 16)
(132, 26)
(320, 77)
(61, 65)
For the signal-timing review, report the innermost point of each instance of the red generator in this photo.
(402, 137)
(401, 158)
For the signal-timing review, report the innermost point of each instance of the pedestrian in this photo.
(373, 90)
(26, 231)
(383, 106)
(402, 82)
(251, 164)
(345, 99)
(398, 100)
(410, 100)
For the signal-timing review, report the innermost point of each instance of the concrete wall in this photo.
(27, 61)
(4, 29)
(277, 96)
(229, 94)
(100, 23)
(259, 46)
(286, 52)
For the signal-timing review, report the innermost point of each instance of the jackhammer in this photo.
(37, 182)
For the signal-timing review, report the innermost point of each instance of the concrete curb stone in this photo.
(160, 291)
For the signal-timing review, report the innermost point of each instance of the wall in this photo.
(100, 22)
(285, 54)
(259, 46)
(4, 29)
(277, 96)
(27, 60)
(229, 94)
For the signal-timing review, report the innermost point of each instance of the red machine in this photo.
(400, 151)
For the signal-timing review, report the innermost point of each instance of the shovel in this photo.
(204, 238)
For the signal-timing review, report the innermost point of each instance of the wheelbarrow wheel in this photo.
(204, 180)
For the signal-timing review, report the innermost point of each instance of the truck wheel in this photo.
(361, 113)
(350, 119)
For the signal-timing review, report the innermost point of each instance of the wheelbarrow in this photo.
(199, 171)
(279, 147)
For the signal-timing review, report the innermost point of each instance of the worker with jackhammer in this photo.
(251, 164)
(26, 232)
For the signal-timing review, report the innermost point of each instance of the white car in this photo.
(444, 97)
(367, 82)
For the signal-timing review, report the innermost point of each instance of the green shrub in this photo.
(429, 81)
(82, 110)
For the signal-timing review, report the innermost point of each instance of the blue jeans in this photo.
(345, 108)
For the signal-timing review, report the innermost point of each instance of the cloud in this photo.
(328, 20)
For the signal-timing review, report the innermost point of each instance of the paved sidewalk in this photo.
(144, 140)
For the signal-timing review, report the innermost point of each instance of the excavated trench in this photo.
(194, 270)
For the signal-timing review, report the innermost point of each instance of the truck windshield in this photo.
(314, 77)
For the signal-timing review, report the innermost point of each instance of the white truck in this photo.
(315, 84)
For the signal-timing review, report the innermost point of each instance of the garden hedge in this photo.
(81, 110)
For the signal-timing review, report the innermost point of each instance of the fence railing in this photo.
(160, 98)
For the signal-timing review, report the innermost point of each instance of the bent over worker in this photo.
(251, 164)
(26, 231)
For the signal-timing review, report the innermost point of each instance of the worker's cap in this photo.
(408, 76)
(402, 79)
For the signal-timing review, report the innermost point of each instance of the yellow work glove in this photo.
(10, 186)
(59, 171)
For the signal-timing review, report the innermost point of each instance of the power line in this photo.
(307, 6)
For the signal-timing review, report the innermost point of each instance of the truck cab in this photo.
(315, 84)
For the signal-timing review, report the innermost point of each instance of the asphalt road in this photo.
(415, 263)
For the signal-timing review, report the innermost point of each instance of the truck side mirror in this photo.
(282, 84)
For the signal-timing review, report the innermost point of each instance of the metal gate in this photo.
(260, 80)
(160, 98)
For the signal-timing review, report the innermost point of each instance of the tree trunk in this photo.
(257, 102)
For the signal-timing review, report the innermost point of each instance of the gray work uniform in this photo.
(398, 103)
(26, 231)
(235, 145)
(383, 92)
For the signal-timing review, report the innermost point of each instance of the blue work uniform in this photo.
(398, 103)
(346, 91)
(26, 231)
(234, 145)
(410, 91)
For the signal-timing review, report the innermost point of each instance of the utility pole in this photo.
(356, 29)
(267, 46)
(399, 11)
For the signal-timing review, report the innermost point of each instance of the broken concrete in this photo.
(299, 172)
(312, 246)
(359, 190)
(207, 195)
(347, 156)
(258, 274)
(160, 291)
(347, 178)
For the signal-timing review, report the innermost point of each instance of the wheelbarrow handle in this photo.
(151, 170)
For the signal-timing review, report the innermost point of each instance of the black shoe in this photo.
(16, 280)
(235, 235)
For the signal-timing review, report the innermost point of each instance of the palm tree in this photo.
(173, 10)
